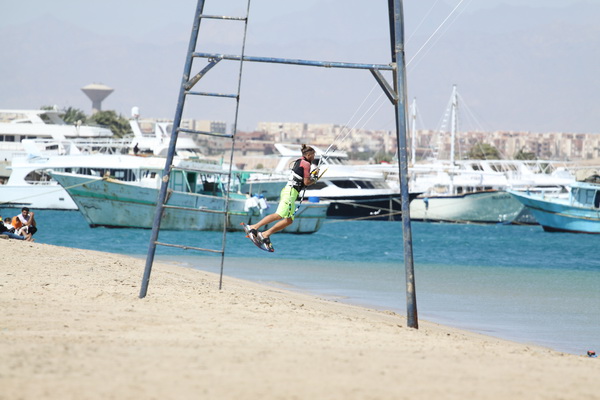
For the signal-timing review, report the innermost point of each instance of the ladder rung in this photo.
(194, 209)
(188, 247)
(225, 135)
(223, 17)
(232, 96)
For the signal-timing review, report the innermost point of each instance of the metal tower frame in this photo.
(396, 93)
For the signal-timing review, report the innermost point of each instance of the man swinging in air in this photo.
(300, 177)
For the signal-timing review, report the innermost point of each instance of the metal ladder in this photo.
(187, 84)
(396, 93)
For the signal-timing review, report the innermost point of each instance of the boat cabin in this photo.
(586, 194)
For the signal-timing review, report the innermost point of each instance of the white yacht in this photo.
(30, 185)
(352, 191)
(17, 125)
(476, 190)
(152, 138)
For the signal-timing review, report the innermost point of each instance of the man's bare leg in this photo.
(277, 227)
(266, 220)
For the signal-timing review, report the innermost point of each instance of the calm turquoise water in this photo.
(514, 282)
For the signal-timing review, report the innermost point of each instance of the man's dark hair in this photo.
(306, 149)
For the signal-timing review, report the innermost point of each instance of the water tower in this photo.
(96, 92)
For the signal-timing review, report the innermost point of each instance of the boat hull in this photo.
(556, 215)
(373, 208)
(382, 206)
(477, 207)
(112, 203)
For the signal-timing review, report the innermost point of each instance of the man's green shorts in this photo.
(287, 202)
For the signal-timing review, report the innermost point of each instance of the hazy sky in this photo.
(134, 18)
(519, 65)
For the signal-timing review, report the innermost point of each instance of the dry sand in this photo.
(72, 327)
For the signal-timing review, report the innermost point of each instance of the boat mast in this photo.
(453, 123)
(413, 132)
(453, 129)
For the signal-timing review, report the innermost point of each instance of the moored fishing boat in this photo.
(577, 212)
(196, 198)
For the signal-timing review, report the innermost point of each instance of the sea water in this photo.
(513, 282)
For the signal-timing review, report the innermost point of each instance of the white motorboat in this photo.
(152, 138)
(352, 192)
(475, 190)
(17, 125)
(29, 184)
(453, 194)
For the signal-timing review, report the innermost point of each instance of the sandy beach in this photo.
(72, 327)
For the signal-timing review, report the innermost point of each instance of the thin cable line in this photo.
(436, 31)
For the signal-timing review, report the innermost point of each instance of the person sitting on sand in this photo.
(24, 224)
(300, 178)
(8, 230)
(8, 224)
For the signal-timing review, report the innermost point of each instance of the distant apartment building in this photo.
(204, 125)
(429, 143)
(323, 135)
(197, 125)
(287, 132)
(553, 145)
